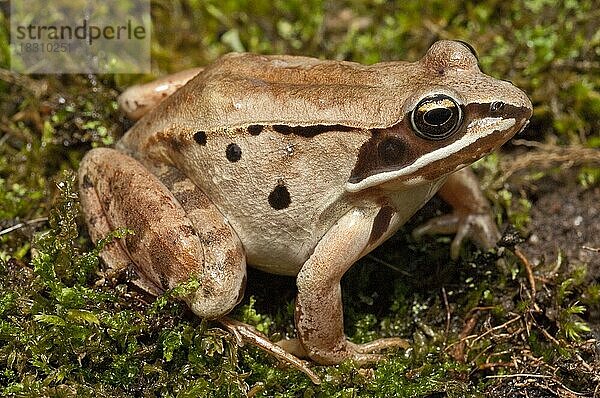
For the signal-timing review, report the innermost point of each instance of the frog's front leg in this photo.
(319, 313)
(471, 218)
(179, 233)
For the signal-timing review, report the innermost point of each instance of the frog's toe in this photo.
(360, 353)
(446, 224)
(245, 333)
(382, 344)
(477, 227)
(367, 353)
(364, 359)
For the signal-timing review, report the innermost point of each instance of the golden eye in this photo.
(436, 117)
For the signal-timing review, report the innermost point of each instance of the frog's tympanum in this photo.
(296, 166)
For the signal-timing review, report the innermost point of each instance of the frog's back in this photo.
(272, 141)
(245, 89)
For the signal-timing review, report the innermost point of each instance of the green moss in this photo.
(57, 328)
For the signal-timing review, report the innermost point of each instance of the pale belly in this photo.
(281, 245)
(280, 195)
(280, 242)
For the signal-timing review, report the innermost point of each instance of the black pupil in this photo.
(438, 116)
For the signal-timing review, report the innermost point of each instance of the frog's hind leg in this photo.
(179, 233)
(140, 99)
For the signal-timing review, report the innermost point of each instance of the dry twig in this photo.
(546, 156)
(22, 224)
(528, 270)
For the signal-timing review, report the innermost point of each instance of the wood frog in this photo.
(296, 166)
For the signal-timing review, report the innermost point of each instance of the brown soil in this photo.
(565, 219)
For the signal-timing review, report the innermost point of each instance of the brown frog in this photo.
(297, 166)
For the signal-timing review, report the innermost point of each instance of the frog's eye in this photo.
(436, 117)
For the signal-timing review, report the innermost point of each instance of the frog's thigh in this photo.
(319, 313)
(177, 235)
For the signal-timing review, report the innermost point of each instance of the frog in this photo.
(295, 166)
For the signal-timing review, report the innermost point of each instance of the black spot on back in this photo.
(280, 198)
(200, 137)
(310, 131)
(255, 129)
(233, 152)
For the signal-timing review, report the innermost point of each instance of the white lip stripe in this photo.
(477, 129)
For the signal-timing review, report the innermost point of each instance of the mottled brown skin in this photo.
(297, 166)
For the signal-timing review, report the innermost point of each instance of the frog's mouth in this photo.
(481, 136)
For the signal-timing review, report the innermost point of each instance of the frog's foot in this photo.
(361, 354)
(245, 333)
(472, 216)
(477, 227)
(381, 344)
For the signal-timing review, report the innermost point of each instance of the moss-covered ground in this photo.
(521, 321)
